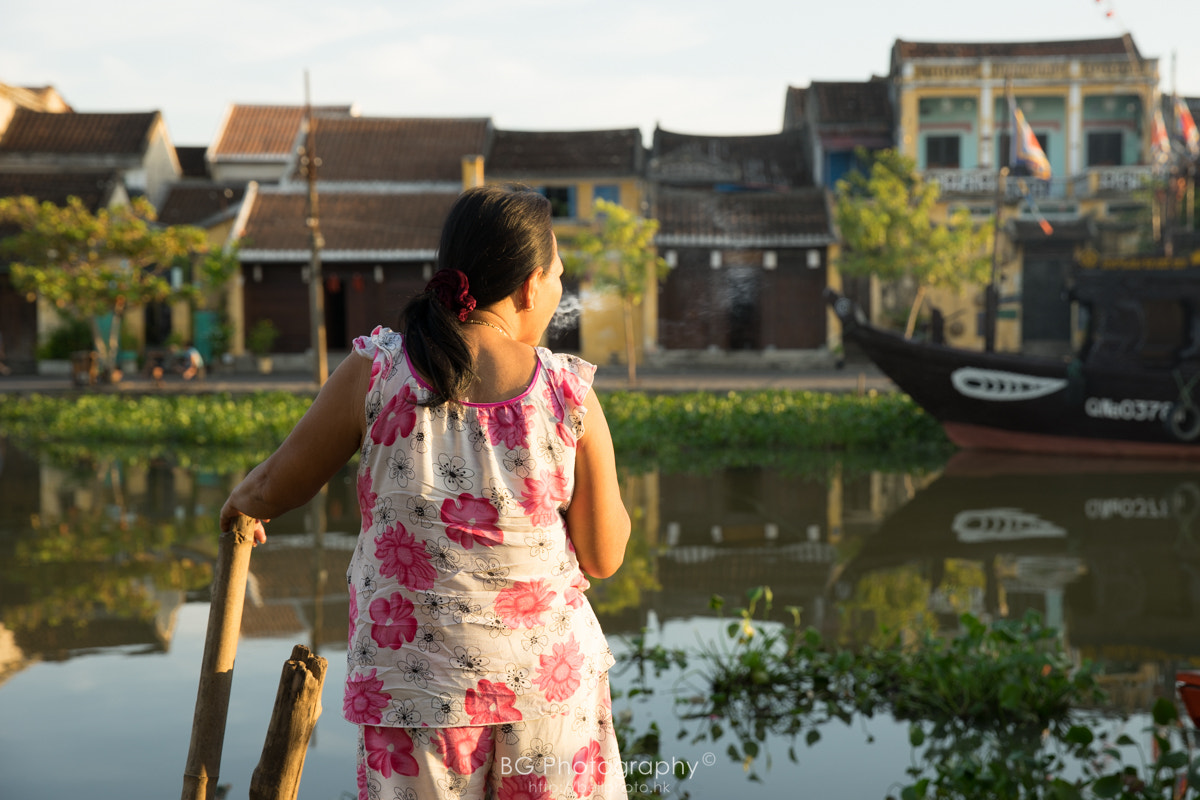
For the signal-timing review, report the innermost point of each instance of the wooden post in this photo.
(297, 707)
(216, 670)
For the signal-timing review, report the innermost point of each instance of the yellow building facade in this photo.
(1091, 105)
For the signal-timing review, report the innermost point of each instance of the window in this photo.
(1005, 142)
(1104, 149)
(941, 152)
(609, 192)
(562, 200)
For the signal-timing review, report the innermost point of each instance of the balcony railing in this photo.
(982, 182)
(1110, 180)
(1093, 182)
(964, 181)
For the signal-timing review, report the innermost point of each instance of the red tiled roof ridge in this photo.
(347, 107)
(264, 130)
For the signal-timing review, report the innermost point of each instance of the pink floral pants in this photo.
(570, 756)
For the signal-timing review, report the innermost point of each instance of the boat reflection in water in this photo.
(1106, 550)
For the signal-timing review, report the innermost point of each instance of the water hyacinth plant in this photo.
(684, 427)
(995, 711)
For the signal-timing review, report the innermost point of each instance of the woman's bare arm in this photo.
(597, 521)
(322, 442)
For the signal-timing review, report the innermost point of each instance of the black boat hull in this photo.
(1005, 401)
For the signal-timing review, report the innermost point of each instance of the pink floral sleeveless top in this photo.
(466, 598)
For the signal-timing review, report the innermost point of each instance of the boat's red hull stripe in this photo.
(977, 436)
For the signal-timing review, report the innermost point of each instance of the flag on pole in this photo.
(1187, 128)
(1024, 149)
(1160, 142)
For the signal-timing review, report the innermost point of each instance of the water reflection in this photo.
(1106, 550)
(104, 555)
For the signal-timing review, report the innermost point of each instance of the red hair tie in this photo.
(451, 289)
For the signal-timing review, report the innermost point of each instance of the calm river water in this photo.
(105, 565)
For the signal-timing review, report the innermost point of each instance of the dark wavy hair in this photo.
(497, 236)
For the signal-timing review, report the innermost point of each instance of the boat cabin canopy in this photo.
(1138, 317)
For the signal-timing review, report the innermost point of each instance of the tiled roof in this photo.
(516, 154)
(1117, 46)
(191, 161)
(73, 134)
(93, 188)
(699, 217)
(773, 160)
(350, 221)
(793, 107)
(192, 203)
(397, 149)
(37, 98)
(263, 130)
(852, 103)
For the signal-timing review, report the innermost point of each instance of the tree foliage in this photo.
(889, 228)
(619, 256)
(88, 265)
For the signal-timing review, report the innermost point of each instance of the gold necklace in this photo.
(490, 325)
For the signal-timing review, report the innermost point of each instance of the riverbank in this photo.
(853, 378)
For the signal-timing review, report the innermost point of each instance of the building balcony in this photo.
(964, 181)
(1093, 182)
(981, 183)
(1110, 181)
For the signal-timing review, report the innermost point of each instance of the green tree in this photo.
(889, 229)
(618, 256)
(89, 265)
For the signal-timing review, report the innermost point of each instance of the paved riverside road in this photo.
(854, 377)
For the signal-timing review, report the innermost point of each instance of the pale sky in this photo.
(691, 66)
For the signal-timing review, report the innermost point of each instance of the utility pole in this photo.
(316, 284)
(991, 295)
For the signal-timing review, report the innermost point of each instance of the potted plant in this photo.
(260, 340)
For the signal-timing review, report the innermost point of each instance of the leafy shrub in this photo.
(72, 335)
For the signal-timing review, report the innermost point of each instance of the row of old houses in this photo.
(745, 221)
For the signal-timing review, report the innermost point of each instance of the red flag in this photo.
(1024, 149)
(1160, 142)
(1187, 128)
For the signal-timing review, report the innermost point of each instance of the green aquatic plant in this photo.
(759, 420)
(218, 419)
(996, 710)
(695, 431)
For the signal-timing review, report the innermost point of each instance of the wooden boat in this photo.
(1131, 390)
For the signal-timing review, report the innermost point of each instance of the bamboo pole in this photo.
(297, 707)
(216, 670)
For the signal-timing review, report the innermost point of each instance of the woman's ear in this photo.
(528, 292)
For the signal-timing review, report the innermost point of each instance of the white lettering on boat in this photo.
(1134, 410)
(995, 384)
(1127, 508)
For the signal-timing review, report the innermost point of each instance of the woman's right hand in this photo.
(229, 515)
